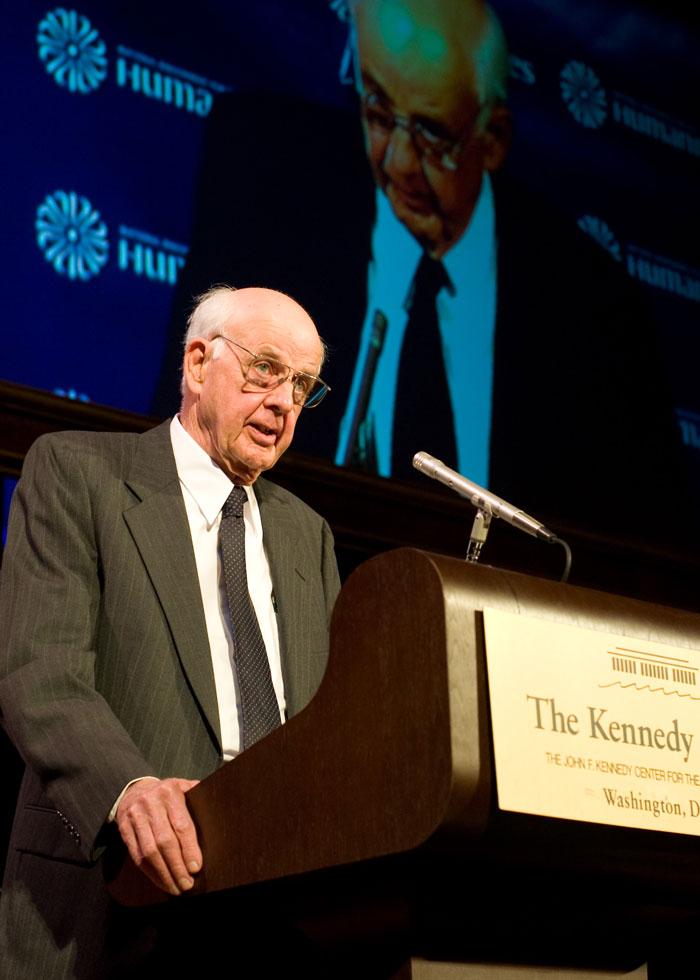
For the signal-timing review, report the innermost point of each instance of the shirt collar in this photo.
(396, 255)
(473, 254)
(203, 479)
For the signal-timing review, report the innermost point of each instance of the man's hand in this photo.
(156, 827)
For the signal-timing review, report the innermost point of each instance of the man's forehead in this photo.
(285, 332)
(425, 38)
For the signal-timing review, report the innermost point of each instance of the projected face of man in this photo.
(420, 110)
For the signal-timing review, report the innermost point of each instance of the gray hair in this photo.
(491, 62)
(209, 312)
(206, 319)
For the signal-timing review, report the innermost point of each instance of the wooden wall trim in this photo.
(370, 515)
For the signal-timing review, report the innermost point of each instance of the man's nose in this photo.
(401, 157)
(280, 398)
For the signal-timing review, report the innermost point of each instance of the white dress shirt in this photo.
(205, 488)
(467, 319)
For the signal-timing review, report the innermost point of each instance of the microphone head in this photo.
(423, 460)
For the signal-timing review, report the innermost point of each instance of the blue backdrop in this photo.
(105, 106)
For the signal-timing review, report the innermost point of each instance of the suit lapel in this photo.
(158, 524)
(285, 550)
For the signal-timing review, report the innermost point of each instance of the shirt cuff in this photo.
(113, 812)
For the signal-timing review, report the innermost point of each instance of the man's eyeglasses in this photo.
(265, 373)
(435, 147)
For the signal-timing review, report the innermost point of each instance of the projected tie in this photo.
(259, 709)
(422, 410)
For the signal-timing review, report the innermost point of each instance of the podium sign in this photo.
(593, 726)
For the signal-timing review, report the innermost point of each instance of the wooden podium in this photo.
(372, 817)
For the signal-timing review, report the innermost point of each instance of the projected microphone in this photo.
(353, 451)
(484, 500)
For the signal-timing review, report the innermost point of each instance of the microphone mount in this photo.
(488, 506)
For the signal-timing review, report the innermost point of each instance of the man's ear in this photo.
(194, 364)
(497, 138)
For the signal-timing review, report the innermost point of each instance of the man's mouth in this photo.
(412, 200)
(266, 432)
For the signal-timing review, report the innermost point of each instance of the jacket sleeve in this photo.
(50, 599)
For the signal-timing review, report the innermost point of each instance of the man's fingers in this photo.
(182, 824)
(143, 852)
(154, 863)
(158, 831)
(186, 837)
(162, 851)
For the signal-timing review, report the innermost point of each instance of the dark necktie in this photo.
(423, 418)
(259, 708)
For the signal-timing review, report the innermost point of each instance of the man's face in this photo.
(413, 66)
(246, 430)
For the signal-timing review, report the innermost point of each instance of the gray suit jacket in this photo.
(105, 669)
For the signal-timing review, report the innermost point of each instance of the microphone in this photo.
(484, 500)
(357, 450)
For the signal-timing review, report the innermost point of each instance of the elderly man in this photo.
(432, 85)
(162, 609)
(431, 81)
(467, 316)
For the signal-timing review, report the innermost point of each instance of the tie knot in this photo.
(429, 279)
(233, 505)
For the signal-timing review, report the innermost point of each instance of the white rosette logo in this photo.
(72, 235)
(72, 51)
(583, 94)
